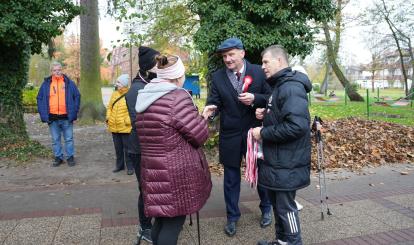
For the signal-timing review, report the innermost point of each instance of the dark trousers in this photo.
(144, 221)
(287, 223)
(121, 149)
(232, 179)
(166, 230)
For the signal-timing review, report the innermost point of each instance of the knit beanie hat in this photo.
(146, 58)
(123, 80)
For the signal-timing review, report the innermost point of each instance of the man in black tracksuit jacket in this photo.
(286, 142)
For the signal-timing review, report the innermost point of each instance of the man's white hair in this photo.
(55, 63)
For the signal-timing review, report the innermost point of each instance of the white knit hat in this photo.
(122, 80)
(175, 71)
(299, 68)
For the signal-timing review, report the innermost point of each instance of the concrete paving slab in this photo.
(185, 237)
(6, 227)
(78, 237)
(326, 230)
(212, 232)
(80, 229)
(366, 224)
(403, 200)
(250, 232)
(312, 213)
(369, 206)
(34, 231)
(81, 222)
(119, 235)
(395, 220)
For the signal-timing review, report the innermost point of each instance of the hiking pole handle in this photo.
(316, 128)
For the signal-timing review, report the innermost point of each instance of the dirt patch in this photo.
(94, 154)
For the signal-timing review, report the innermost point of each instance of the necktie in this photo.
(238, 75)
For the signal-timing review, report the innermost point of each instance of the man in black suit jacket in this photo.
(236, 102)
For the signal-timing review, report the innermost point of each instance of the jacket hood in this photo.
(152, 92)
(287, 75)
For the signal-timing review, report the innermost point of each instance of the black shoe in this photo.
(230, 228)
(270, 243)
(57, 162)
(144, 235)
(116, 170)
(71, 161)
(266, 219)
(130, 172)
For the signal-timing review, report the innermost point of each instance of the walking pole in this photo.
(198, 229)
(139, 239)
(316, 128)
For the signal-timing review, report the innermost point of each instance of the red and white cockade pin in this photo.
(246, 83)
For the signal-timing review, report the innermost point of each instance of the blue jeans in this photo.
(57, 128)
(232, 178)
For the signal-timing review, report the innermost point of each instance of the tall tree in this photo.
(24, 26)
(398, 17)
(259, 24)
(377, 45)
(92, 107)
(332, 47)
(174, 26)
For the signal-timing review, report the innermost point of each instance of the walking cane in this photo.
(316, 129)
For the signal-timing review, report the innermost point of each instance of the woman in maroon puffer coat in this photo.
(175, 176)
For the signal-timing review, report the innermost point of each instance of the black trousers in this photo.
(287, 224)
(166, 230)
(121, 149)
(144, 221)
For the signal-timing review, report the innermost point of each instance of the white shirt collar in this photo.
(241, 69)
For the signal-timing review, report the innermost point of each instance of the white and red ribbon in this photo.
(252, 154)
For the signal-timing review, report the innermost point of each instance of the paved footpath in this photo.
(375, 206)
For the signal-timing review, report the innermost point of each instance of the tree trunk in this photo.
(92, 107)
(373, 82)
(324, 86)
(352, 93)
(397, 42)
(14, 68)
(410, 50)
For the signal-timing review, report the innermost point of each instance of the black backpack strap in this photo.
(118, 99)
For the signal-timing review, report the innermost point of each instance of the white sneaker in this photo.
(282, 242)
(298, 205)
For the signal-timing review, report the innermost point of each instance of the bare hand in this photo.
(256, 133)
(246, 98)
(260, 113)
(208, 111)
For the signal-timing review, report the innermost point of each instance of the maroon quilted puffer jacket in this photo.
(175, 176)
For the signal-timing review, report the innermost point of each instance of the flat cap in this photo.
(231, 43)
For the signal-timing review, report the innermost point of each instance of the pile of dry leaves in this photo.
(354, 143)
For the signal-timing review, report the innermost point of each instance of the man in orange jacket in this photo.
(58, 103)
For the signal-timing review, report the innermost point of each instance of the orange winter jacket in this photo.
(57, 95)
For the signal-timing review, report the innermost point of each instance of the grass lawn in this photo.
(335, 110)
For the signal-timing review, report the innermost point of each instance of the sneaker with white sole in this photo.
(144, 234)
(298, 205)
